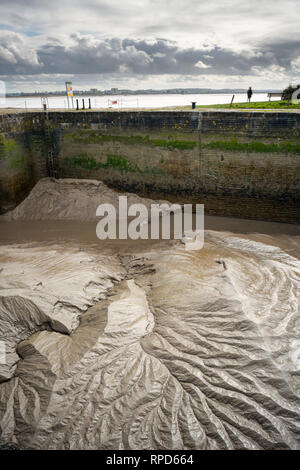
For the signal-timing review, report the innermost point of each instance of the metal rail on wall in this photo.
(51, 165)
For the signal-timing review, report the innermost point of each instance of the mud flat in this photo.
(144, 345)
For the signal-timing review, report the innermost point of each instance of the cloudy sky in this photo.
(149, 44)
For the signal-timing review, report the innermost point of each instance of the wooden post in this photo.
(67, 93)
(232, 100)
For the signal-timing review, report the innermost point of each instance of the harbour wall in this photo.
(238, 164)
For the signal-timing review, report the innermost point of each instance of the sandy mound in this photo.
(69, 199)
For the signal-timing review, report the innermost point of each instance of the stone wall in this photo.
(238, 163)
(15, 163)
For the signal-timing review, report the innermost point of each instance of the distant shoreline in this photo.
(135, 93)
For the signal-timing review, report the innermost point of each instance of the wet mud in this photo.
(145, 345)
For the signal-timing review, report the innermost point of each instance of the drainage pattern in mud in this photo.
(148, 346)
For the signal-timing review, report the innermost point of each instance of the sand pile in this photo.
(68, 199)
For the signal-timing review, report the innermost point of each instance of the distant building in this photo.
(114, 90)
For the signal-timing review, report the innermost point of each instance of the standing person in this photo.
(249, 93)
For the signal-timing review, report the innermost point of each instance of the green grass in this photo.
(250, 147)
(268, 105)
(255, 105)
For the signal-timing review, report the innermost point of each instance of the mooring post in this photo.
(83, 103)
(77, 105)
(90, 105)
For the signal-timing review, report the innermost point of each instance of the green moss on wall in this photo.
(11, 151)
(8, 146)
(94, 138)
(251, 147)
(16, 162)
(116, 162)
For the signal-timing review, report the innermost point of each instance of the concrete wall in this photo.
(238, 163)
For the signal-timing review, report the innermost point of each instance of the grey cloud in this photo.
(16, 56)
(283, 51)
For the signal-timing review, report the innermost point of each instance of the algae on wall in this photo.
(15, 170)
(116, 162)
(88, 137)
(256, 146)
(168, 162)
(135, 158)
(11, 151)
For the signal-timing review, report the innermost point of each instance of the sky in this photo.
(140, 44)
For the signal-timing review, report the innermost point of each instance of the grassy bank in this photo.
(256, 105)
(268, 105)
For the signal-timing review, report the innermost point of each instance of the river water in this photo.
(132, 101)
